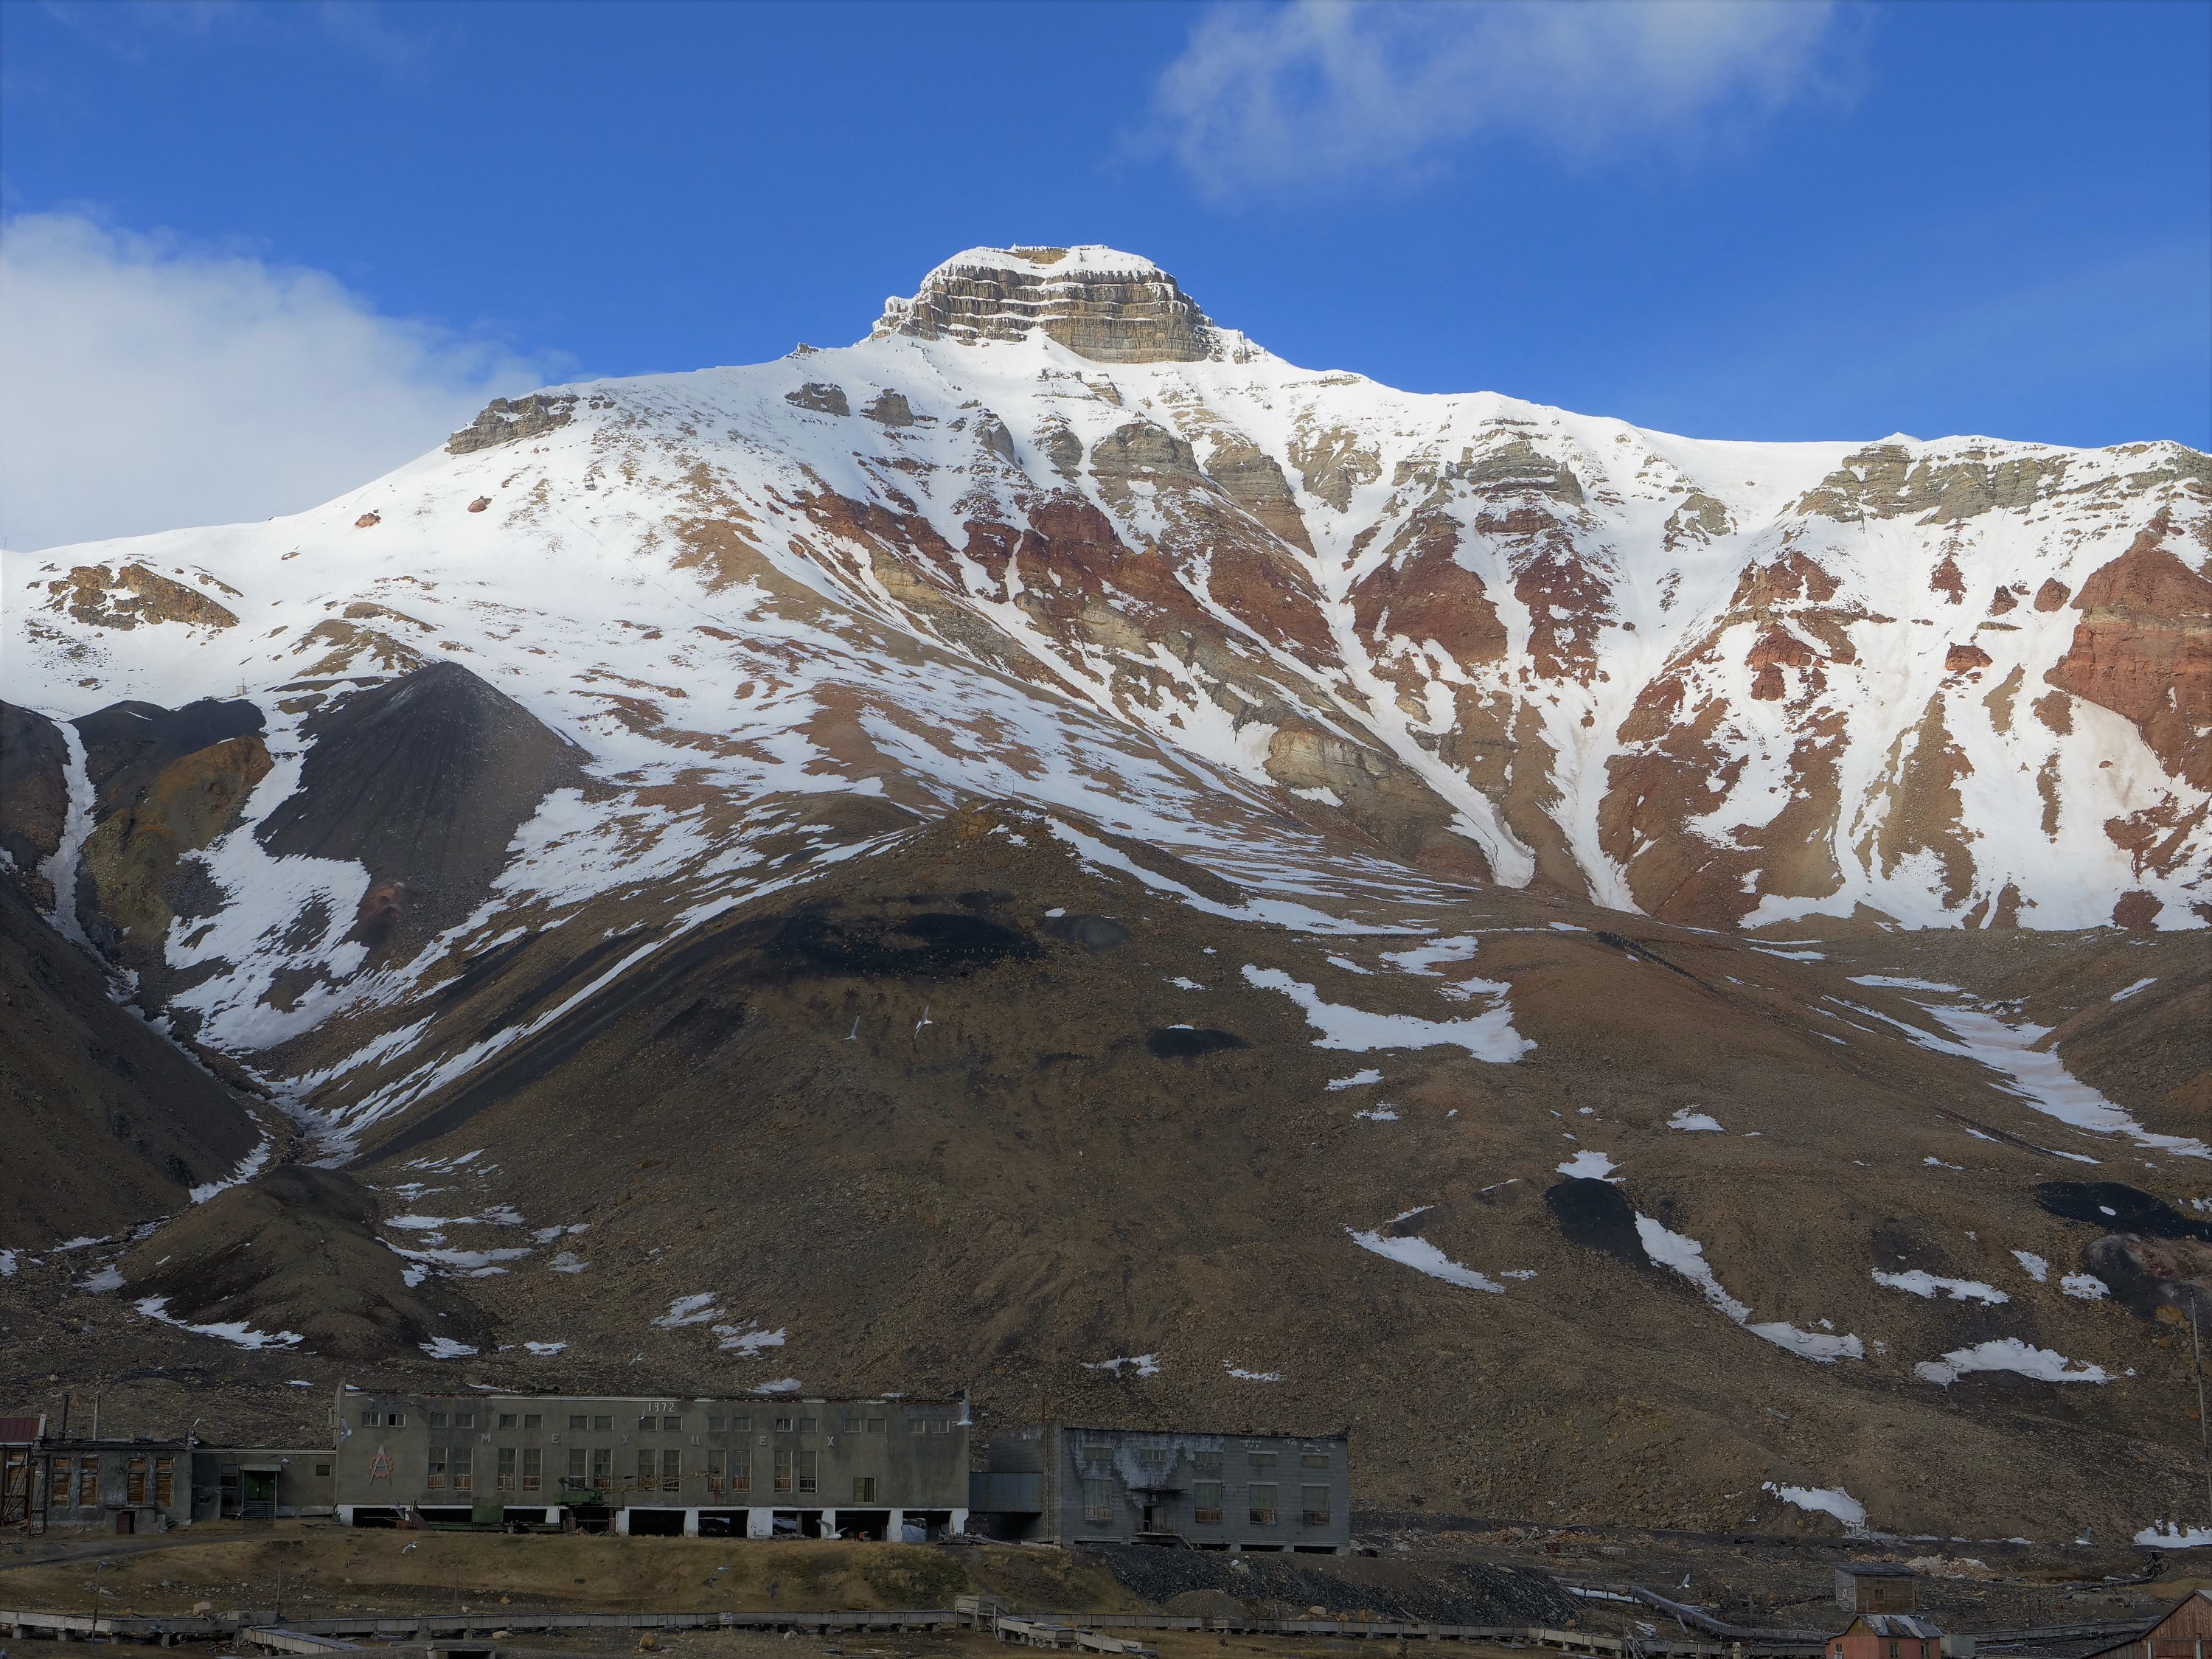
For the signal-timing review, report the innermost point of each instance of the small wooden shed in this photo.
(1876, 1587)
(2185, 1632)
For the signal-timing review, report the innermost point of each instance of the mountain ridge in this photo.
(1153, 847)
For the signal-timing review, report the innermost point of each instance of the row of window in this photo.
(142, 1476)
(1208, 1507)
(604, 1422)
(593, 1469)
(1206, 1462)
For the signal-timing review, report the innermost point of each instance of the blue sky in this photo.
(1733, 220)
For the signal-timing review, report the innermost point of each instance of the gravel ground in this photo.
(1449, 1592)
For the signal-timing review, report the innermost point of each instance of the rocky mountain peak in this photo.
(1100, 303)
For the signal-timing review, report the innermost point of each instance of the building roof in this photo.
(1905, 1625)
(1876, 1570)
(2142, 1638)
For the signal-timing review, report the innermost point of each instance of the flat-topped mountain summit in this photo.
(1100, 304)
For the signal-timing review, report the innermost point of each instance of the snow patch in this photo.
(155, 1307)
(1425, 1258)
(1822, 1500)
(1489, 1036)
(2008, 1354)
(1923, 1284)
(1690, 1118)
(1687, 1257)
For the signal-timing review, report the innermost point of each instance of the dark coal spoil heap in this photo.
(126, 743)
(296, 1250)
(423, 780)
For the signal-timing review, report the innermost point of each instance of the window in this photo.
(783, 1425)
(741, 1473)
(741, 1424)
(395, 1420)
(603, 1468)
(134, 1481)
(1097, 1500)
(603, 1424)
(648, 1424)
(1315, 1506)
(1208, 1462)
(783, 1470)
(533, 1469)
(506, 1474)
(714, 1424)
(578, 1420)
(465, 1419)
(1314, 1460)
(1100, 1456)
(810, 1469)
(648, 1465)
(670, 1425)
(533, 1420)
(575, 1478)
(437, 1420)
(671, 1469)
(852, 1425)
(322, 1470)
(1206, 1502)
(369, 1419)
(436, 1478)
(164, 1479)
(464, 1468)
(1261, 1460)
(1155, 1458)
(1260, 1501)
(63, 1472)
(507, 1419)
(807, 1426)
(864, 1489)
(718, 1463)
(875, 1425)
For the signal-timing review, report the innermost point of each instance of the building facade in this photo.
(1876, 1587)
(1887, 1636)
(2183, 1632)
(263, 1483)
(752, 1467)
(118, 1484)
(1065, 1484)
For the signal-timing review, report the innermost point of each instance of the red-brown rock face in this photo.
(2144, 649)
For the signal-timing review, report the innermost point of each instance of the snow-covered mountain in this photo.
(1145, 837)
(1963, 682)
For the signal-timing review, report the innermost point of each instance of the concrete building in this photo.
(754, 1466)
(119, 1485)
(263, 1483)
(1876, 1587)
(1066, 1484)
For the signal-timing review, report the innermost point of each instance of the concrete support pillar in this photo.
(552, 1515)
(621, 1523)
(760, 1524)
(345, 1516)
(891, 1533)
(690, 1523)
(829, 1523)
(959, 1521)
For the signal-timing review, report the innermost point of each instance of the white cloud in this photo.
(1322, 92)
(153, 383)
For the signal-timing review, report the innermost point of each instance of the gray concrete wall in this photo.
(1112, 1484)
(750, 1453)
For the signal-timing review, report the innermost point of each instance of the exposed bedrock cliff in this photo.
(2144, 649)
